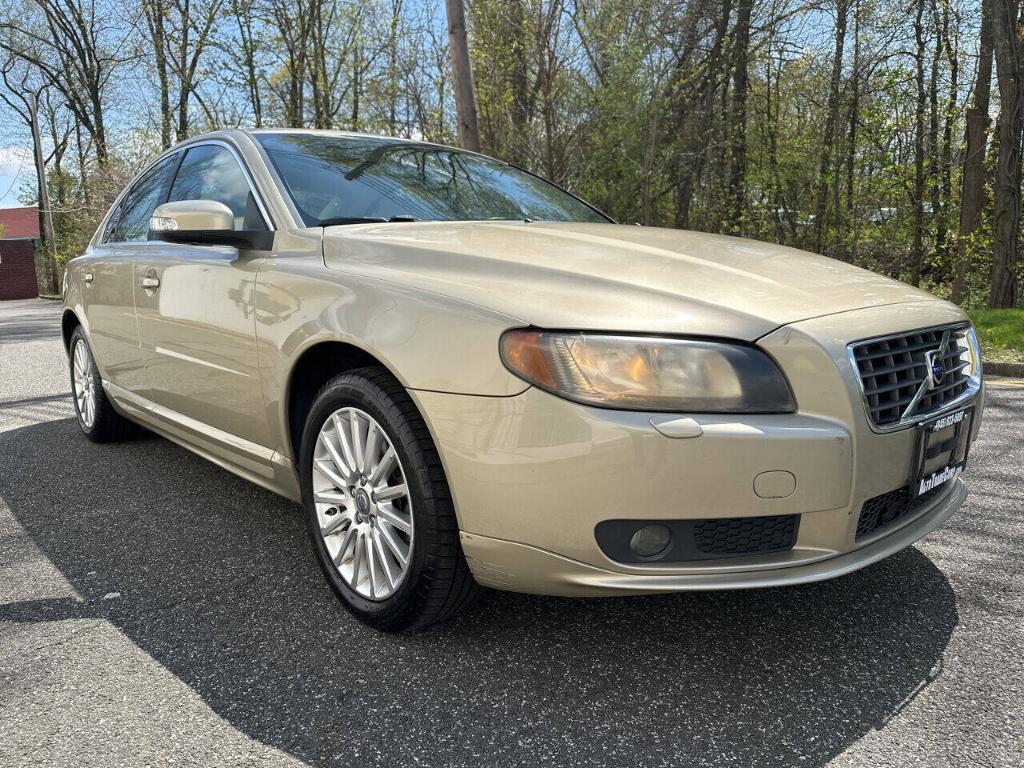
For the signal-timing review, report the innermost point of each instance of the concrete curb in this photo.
(1015, 370)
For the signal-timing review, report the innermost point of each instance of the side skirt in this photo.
(256, 463)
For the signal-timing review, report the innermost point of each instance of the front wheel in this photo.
(378, 508)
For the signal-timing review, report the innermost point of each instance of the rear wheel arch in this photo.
(68, 322)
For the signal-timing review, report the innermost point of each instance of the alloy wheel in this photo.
(362, 503)
(84, 383)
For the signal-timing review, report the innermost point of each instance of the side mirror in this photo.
(204, 222)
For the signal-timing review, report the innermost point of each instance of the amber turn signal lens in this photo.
(521, 351)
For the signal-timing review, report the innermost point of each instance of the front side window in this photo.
(130, 222)
(355, 177)
(211, 172)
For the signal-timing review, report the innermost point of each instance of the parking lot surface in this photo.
(156, 610)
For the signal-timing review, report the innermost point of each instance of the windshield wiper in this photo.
(337, 220)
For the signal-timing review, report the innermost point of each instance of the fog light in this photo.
(650, 541)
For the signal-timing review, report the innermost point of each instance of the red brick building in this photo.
(18, 241)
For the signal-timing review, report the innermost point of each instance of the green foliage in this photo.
(1000, 332)
(632, 104)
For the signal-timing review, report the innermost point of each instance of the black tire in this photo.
(107, 425)
(438, 583)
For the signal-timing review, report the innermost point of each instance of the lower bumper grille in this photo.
(745, 535)
(883, 511)
(690, 540)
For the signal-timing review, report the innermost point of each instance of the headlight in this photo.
(648, 374)
(971, 358)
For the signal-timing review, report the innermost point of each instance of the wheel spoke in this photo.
(357, 439)
(382, 558)
(383, 469)
(390, 493)
(331, 497)
(393, 544)
(371, 564)
(370, 452)
(333, 526)
(346, 545)
(394, 517)
(346, 446)
(344, 470)
(357, 562)
(334, 477)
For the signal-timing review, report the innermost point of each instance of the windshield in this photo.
(351, 179)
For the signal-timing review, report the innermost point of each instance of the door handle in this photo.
(150, 282)
(87, 277)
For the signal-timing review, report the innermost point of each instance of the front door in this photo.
(108, 288)
(195, 309)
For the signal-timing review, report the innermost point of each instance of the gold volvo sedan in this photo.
(468, 376)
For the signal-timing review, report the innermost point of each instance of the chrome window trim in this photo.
(973, 384)
(184, 148)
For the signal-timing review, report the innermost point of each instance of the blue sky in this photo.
(16, 168)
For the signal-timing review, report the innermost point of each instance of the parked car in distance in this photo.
(468, 376)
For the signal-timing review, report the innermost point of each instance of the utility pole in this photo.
(465, 100)
(44, 196)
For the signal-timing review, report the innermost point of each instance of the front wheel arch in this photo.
(317, 365)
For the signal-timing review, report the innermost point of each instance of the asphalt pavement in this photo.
(157, 610)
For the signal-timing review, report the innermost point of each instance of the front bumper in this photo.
(522, 568)
(533, 475)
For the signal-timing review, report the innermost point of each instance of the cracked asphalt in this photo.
(156, 610)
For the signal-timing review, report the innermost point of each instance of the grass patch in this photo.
(1001, 333)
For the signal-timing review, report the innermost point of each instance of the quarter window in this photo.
(130, 222)
(211, 172)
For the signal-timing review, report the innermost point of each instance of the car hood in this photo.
(613, 277)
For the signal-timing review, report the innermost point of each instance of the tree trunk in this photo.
(831, 119)
(917, 250)
(1007, 44)
(850, 253)
(972, 193)
(738, 119)
(155, 13)
(465, 100)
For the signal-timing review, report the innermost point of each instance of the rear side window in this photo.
(211, 172)
(130, 222)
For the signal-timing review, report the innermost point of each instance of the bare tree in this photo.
(78, 51)
(465, 98)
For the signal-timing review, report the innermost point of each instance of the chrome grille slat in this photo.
(892, 370)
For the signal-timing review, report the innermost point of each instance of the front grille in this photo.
(882, 511)
(745, 535)
(892, 370)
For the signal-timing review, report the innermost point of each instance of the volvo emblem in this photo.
(936, 370)
(362, 503)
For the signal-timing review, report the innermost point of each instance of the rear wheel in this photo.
(96, 415)
(378, 507)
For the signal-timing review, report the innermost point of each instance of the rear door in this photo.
(195, 306)
(108, 282)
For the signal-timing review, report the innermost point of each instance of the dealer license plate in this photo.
(942, 446)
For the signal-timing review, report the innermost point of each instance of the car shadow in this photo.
(217, 583)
